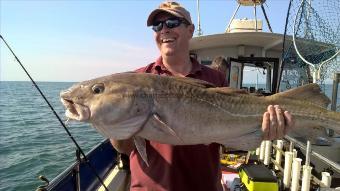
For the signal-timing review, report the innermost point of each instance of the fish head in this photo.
(110, 103)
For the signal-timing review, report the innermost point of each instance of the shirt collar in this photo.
(195, 70)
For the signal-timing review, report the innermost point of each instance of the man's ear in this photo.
(192, 29)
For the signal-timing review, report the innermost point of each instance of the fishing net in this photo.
(312, 42)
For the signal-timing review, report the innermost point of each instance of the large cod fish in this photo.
(185, 111)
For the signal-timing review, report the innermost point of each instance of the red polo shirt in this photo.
(177, 168)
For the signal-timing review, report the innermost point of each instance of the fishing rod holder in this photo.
(288, 151)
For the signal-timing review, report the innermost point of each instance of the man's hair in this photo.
(220, 64)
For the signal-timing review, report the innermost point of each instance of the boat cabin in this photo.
(242, 49)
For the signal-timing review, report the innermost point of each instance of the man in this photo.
(189, 167)
(220, 64)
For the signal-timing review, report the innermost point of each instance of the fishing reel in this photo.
(43, 187)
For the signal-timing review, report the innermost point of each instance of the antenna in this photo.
(253, 3)
(199, 30)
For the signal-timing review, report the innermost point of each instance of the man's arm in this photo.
(123, 146)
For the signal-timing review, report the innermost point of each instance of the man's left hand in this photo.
(276, 123)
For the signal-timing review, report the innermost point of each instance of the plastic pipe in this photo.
(257, 152)
(262, 150)
(287, 169)
(326, 180)
(294, 153)
(278, 157)
(308, 153)
(296, 174)
(306, 178)
(267, 153)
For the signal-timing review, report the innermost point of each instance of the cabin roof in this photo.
(266, 40)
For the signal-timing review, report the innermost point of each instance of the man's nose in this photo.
(165, 29)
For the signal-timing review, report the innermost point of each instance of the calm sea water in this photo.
(33, 142)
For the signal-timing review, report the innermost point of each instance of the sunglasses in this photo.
(170, 23)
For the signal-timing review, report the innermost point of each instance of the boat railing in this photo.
(80, 176)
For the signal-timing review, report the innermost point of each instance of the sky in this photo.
(74, 40)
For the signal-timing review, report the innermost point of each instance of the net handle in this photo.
(294, 38)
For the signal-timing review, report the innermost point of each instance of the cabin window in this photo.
(206, 62)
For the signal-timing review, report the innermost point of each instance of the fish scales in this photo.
(235, 103)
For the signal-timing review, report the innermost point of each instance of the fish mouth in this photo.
(76, 111)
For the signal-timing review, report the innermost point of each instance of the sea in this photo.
(32, 141)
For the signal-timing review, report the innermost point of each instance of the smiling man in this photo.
(188, 167)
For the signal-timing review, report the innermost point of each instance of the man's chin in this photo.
(168, 52)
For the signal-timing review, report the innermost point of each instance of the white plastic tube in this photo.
(278, 157)
(262, 150)
(326, 180)
(287, 169)
(267, 152)
(257, 151)
(294, 153)
(296, 174)
(307, 170)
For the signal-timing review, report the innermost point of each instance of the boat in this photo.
(80, 176)
(244, 45)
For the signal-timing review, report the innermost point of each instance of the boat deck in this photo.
(118, 179)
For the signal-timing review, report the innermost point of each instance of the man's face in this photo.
(173, 41)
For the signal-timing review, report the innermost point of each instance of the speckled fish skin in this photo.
(184, 111)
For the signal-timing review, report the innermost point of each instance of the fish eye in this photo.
(98, 88)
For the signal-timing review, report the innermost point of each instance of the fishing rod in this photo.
(57, 116)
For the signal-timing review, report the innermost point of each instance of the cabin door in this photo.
(235, 74)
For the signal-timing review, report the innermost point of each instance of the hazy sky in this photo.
(78, 40)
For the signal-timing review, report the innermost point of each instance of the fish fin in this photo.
(194, 82)
(165, 126)
(310, 92)
(173, 79)
(246, 142)
(228, 90)
(141, 148)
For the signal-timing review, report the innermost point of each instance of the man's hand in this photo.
(276, 123)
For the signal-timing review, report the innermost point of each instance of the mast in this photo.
(199, 30)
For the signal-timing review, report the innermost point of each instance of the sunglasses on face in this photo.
(170, 23)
